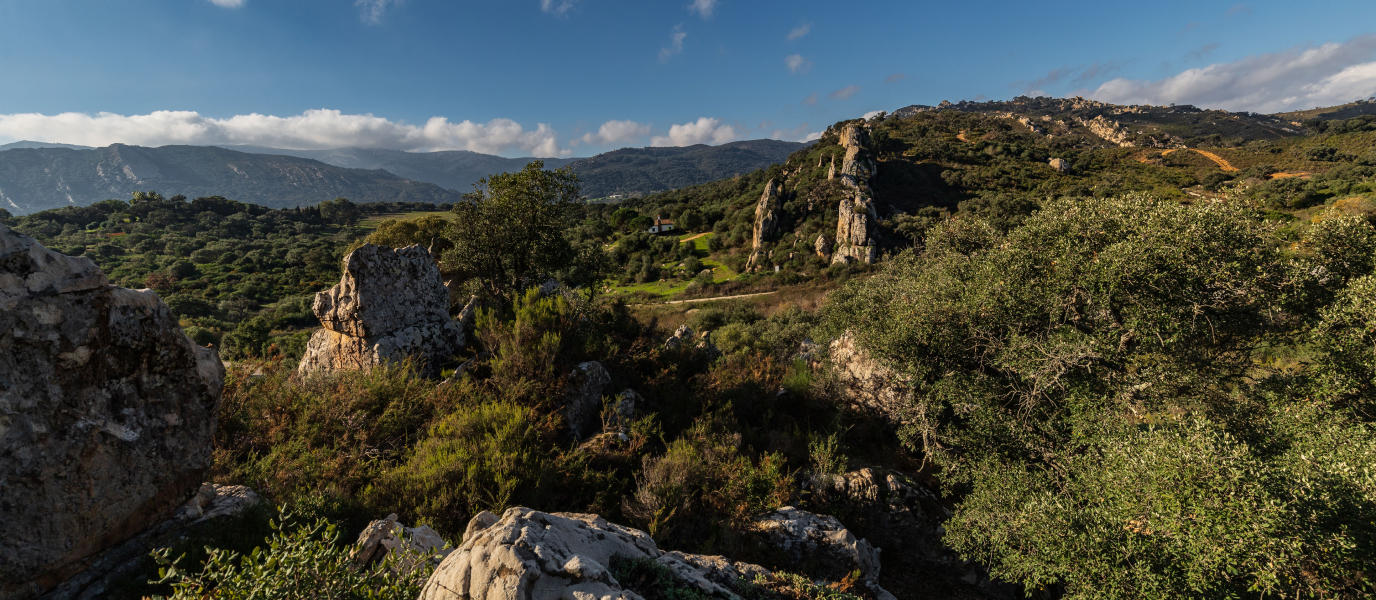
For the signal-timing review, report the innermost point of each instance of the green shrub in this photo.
(304, 561)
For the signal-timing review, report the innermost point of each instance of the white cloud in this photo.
(313, 129)
(797, 134)
(799, 31)
(228, 3)
(846, 92)
(872, 114)
(797, 64)
(371, 10)
(704, 8)
(617, 132)
(703, 131)
(812, 137)
(560, 8)
(811, 100)
(895, 78)
(675, 45)
(1298, 78)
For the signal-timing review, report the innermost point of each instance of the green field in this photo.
(372, 221)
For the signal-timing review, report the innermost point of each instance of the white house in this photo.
(661, 225)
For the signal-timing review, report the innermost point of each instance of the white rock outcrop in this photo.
(530, 555)
(867, 385)
(583, 398)
(388, 306)
(856, 214)
(766, 226)
(107, 414)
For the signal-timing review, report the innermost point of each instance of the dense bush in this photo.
(1087, 383)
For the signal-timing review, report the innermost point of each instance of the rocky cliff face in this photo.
(766, 221)
(107, 412)
(388, 306)
(857, 217)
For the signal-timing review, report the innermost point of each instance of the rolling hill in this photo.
(35, 179)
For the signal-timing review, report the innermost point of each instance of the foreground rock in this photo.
(903, 518)
(530, 555)
(107, 413)
(583, 398)
(857, 218)
(868, 386)
(389, 305)
(413, 545)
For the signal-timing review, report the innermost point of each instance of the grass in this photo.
(373, 221)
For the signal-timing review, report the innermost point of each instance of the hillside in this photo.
(449, 169)
(628, 171)
(634, 171)
(35, 179)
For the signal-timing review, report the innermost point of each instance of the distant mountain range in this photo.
(34, 179)
(37, 176)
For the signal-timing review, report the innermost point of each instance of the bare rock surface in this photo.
(904, 519)
(809, 538)
(766, 226)
(857, 218)
(530, 555)
(413, 545)
(1061, 165)
(389, 305)
(107, 411)
(583, 398)
(868, 385)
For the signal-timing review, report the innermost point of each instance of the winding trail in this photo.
(1218, 160)
(706, 299)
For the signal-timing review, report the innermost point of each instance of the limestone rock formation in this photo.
(386, 536)
(107, 412)
(1061, 165)
(904, 518)
(1111, 131)
(867, 385)
(856, 214)
(809, 538)
(530, 555)
(388, 306)
(583, 398)
(682, 335)
(766, 221)
(121, 562)
(823, 246)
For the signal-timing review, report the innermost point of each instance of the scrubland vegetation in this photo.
(1146, 378)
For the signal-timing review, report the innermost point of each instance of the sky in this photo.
(579, 77)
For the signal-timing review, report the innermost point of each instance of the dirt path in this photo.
(1218, 160)
(708, 299)
(689, 239)
(961, 136)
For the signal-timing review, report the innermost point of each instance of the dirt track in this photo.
(1219, 160)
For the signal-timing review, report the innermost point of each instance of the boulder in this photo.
(813, 539)
(124, 561)
(387, 536)
(856, 216)
(530, 555)
(107, 413)
(766, 221)
(1060, 165)
(823, 246)
(389, 305)
(706, 346)
(583, 398)
(624, 408)
(904, 518)
(866, 385)
(682, 335)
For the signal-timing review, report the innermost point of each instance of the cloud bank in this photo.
(616, 132)
(1298, 78)
(313, 129)
(228, 3)
(704, 131)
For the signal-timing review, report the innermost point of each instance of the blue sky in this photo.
(577, 77)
